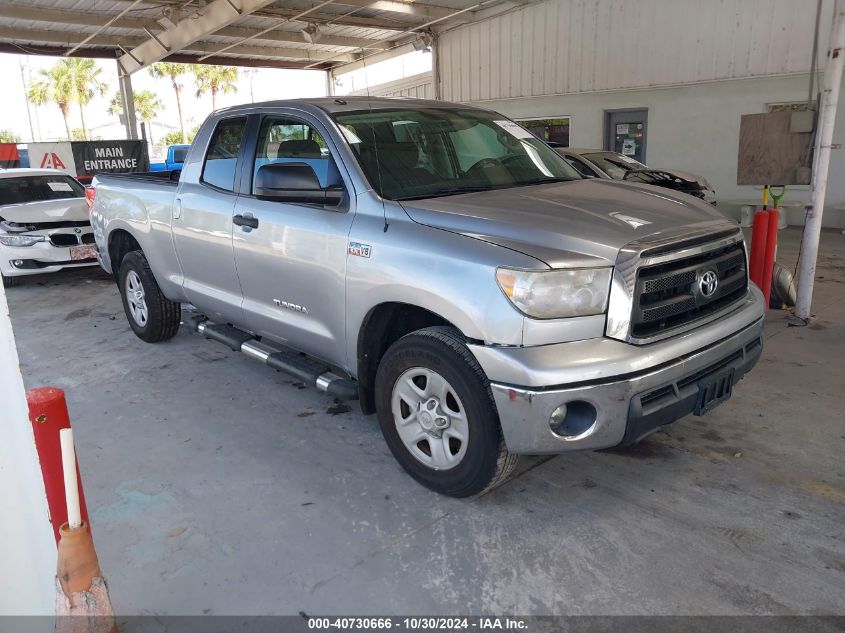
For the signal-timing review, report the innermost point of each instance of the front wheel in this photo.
(151, 315)
(437, 414)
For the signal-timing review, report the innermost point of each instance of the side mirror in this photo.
(294, 182)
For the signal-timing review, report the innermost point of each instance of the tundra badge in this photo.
(291, 306)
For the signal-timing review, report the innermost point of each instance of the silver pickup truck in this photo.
(446, 268)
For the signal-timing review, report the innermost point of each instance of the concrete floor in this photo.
(218, 486)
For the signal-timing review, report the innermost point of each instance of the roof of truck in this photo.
(351, 103)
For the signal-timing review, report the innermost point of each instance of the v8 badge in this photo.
(358, 249)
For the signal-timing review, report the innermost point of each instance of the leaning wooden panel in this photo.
(769, 154)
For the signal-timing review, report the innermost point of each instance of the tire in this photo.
(12, 281)
(151, 315)
(469, 456)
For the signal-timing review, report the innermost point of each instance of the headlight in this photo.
(20, 240)
(555, 294)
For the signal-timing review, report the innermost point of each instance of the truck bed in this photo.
(159, 177)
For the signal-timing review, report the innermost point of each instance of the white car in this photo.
(44, 224)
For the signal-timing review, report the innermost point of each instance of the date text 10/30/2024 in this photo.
(481, 624)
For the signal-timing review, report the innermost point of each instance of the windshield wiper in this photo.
(450, 192)
(477, 188)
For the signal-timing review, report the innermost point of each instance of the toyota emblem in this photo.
(708, 283)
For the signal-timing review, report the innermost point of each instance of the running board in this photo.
(308, 370)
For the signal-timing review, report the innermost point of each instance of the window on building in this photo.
(554, 131)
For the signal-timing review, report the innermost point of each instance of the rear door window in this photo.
(289, 140)
(223, 151)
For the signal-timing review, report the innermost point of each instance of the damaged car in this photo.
(44, 224)
(597, 163)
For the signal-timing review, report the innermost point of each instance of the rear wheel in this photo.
(437, 414)
(151, 315)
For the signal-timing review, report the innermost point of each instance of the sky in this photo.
(265, 84)
(47, 122)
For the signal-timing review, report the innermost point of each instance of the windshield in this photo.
(17, 190)
(615, 165)
(408, 154)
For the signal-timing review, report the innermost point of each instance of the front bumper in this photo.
(39, 258)
(623, 393)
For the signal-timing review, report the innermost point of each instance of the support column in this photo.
(329, 83)
(821, 164)
(127, 97)
(29, 553)
(435, 66)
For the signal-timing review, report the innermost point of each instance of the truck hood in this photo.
(64, 210)
(573, 223)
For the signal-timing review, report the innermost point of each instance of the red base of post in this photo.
(771, 248)
(48, 414)
(757, 256)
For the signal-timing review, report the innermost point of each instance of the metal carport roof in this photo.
(277, 33)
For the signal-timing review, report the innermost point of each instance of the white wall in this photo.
(419, 86)
(370, 77)
(28, 550)
(694, 128)
(573, 46)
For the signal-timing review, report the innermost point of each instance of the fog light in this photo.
(558, 418)
(573, 420)
(18, 262)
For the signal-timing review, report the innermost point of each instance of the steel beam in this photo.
(227, 47)
(199, 49)
(413, 9)
(243, 33)
(214, 16)
(84, 18)
(339, 19)
(179, 58)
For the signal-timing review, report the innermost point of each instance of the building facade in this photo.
(666, 80)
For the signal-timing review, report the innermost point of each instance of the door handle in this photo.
(247, 219)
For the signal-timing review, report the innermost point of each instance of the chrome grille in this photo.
(668, 295)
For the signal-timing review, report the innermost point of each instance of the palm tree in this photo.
(54, 85)
(8, 136)
(84, 77)
(214, 79)
(147, 106)
(173, 72)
